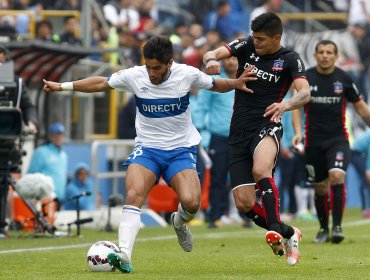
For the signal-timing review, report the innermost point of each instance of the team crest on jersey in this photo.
(339, 156)
(338, 87)
(278, 65)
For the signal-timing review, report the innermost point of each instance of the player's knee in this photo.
(191, 205)
(336, 178)
(321, 189)
(244, 205)
(260, 172)
(191, 208)
(133, 197)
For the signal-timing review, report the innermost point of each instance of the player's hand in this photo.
(245, 77)
(32, 127)
(275, 111)
(296, 141)
(50, 86)
(213, 67)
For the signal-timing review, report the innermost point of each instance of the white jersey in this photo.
(163, 119)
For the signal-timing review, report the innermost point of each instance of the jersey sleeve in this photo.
(296, 66)
(121, 80)
(352, 93)
(200, 79)
(238, 46)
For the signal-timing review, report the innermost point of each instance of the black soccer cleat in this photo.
(322, 236)
(337, 235)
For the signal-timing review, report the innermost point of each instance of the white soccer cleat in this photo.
(183, 235)
(292, 251)
(275, 241)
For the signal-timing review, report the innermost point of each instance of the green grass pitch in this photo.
(230, 252)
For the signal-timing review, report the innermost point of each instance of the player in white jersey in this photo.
(166, 138)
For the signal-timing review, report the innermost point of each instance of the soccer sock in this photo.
(337, 203)
(270, 203)
(322, 210)
(257, 215)
(129, 228)
(182, 216)
(286, 231)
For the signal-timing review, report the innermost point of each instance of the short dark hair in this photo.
(160, 48)
(222, 3)
(44, 22)
(268, 23)
(326, 42)
(67, 18)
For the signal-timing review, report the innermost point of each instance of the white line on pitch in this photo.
(167, 237)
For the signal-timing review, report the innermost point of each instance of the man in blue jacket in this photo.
(51, 160)
(213, 113)
(81, 184)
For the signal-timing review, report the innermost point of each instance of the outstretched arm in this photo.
(224, 85)
(91, 84)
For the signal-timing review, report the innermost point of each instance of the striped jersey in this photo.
(163, 119)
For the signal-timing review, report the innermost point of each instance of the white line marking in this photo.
(214, 235)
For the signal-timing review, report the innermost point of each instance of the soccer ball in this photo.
(97, 256)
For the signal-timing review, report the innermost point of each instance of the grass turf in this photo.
(230, 252)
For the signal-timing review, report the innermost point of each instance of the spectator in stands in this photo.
(43, 4)
(44, 30)
(121, 15)
(81, 183)
(196, 30)
(180, 29)
(70, 29)
(22, 20)
(359, 12)
(187, 44)
(195, 58)
(7, 22)
(360, 158)
(51, 160)
(267, 6)
(213, 38)
(129, 48)
(68, 5)
(220, 20)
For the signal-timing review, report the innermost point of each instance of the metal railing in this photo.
(116, 150)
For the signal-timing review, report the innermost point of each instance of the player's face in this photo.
(2, 57)
(265, 44)
(57, 139)
(326, 57)
(157, 71)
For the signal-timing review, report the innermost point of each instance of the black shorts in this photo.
(333, 154)
(241, 150)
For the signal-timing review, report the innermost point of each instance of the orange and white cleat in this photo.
(292, 252)
(275, 241)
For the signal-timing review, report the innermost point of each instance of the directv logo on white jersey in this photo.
(163, 117)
